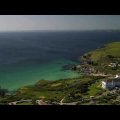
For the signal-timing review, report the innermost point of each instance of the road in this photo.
(72, 103)
(15, 102)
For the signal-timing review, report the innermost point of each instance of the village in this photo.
(111, 80)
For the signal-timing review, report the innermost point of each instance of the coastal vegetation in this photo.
(53, 91)
(105, 54)
(3, 92)
(105, 59)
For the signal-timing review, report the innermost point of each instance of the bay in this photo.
(26, 57)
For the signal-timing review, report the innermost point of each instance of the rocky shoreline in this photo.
(103, 61)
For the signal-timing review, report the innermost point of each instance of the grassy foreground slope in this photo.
(54, 91)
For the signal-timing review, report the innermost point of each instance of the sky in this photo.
(58, 22)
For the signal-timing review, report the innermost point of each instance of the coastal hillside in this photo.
(105, 54)
(105, 60)
(53, 92)
(85, 90)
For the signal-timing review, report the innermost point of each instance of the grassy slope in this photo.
(95, 89)
(104, 56)
(102, 53)
(55, 90)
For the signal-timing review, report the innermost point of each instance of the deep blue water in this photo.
(46, 46)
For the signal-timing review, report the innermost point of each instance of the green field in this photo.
(95, 89)
(72, 89)
(111, 49)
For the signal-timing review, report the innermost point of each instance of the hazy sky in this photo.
(58, 22)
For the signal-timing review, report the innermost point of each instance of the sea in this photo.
(29, 56)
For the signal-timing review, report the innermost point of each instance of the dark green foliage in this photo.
(3, 92)
(107, 99)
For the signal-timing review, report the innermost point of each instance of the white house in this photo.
(112, 65)
(111, 83)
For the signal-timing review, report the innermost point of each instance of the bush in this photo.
(3, 92)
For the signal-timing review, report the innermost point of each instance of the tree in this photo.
(110, 56)
(3, 92)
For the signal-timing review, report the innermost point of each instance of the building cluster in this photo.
(111, 83)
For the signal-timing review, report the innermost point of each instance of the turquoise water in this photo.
(29, 73)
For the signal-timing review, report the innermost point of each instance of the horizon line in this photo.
(61, 30)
